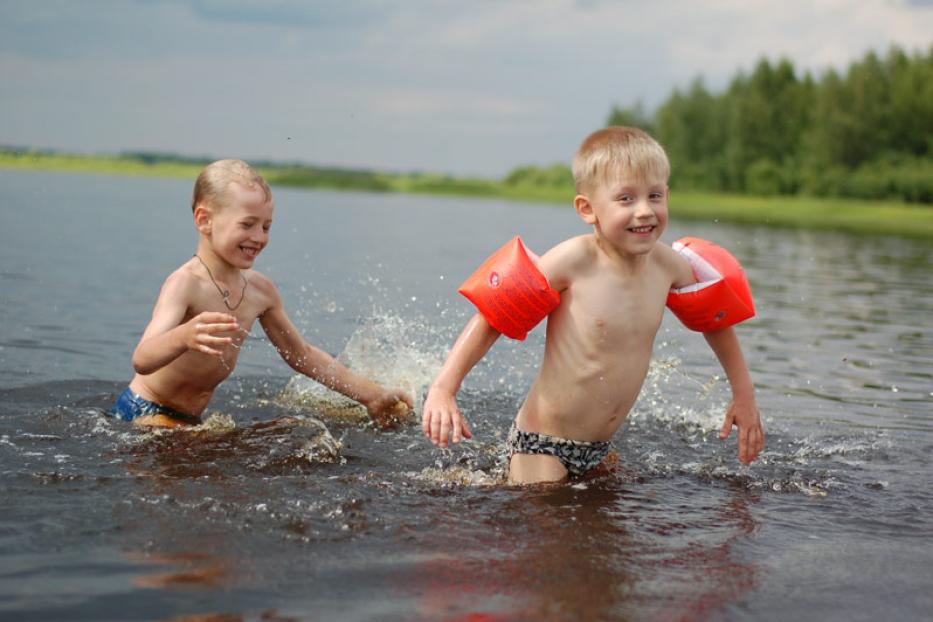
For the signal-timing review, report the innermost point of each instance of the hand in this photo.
(743, 413)
(390, 408)
(200, 330)
(442, 419)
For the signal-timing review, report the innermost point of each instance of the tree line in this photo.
(865, 133)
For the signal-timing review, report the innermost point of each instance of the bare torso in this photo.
(599, 342)
(188, 383)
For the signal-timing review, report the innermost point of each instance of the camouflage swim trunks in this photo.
(578, 457)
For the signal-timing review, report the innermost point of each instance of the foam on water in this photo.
(672, 430)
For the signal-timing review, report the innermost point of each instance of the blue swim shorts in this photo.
(129, 406)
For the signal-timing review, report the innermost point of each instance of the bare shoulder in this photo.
(673, 265)
(567, 259)
(182, 285)
(263, 290)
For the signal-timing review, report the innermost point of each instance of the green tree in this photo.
(634, 116)
(865, 132)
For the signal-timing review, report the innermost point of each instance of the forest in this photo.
(865, 134)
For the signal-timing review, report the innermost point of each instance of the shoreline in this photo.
(810, 213)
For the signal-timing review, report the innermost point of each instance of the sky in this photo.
(468, 87)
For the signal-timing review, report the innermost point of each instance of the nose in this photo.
(643, 209)
(259, 234)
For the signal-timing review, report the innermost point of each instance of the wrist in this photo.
(370, 396)
(743, 393)
(443, 387)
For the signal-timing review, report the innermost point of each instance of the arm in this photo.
(166, 337)
(442, 418)
(743, 410)
(382, 405)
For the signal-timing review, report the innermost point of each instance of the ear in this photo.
(203, 218)
(584, 209)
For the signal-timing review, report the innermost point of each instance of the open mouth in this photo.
(642, 230)
(249, 251)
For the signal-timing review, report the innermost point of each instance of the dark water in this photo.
(287, 506)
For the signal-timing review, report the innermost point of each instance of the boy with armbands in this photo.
(604, 295)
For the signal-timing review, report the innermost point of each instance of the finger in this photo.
(757, 442)
(210, 351)
(436, 428)
(445, 429)
(466, 429)
(745, 446)
(456, 423)
(726, 428)
(215, 341)
(218, 327)
(426, 422)
(216, 316)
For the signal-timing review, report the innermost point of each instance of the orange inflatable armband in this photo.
(510, 291)
(720, 298)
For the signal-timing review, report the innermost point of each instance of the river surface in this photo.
(287, 505)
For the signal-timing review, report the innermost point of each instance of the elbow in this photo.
(140, 366)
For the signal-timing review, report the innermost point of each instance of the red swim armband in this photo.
(720, 298)
(510, 291)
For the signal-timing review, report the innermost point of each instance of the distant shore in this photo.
(853, 216)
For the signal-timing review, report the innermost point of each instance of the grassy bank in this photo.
(864, 217)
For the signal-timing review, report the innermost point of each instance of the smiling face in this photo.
(238, 230)
(627, 212)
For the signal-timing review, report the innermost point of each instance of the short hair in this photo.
(619, 149)
(211, 185)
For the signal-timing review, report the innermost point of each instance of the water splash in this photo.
(386, 348)
(458, 476)
(672, 397)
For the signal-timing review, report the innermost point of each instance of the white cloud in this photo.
(473, 87)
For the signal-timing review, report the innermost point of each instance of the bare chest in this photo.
(614, 311)
(246, 311)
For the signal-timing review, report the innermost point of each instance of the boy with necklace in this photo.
(207, 307)
(613, 285)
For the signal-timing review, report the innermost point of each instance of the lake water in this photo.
(266, 514)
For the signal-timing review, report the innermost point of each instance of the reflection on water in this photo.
(596, 551)
(189, 570)
(288, 504)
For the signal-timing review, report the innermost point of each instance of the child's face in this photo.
(240, 229)
(628, 212)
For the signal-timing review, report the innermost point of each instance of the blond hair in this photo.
(616, 149)
(211, 185)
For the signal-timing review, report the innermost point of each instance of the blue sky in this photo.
(468, 87)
